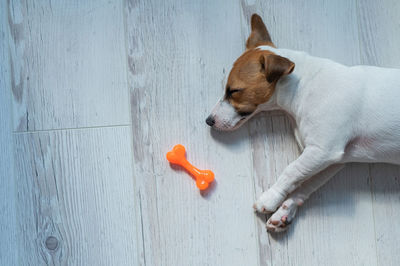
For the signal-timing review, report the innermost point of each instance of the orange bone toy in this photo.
(203, 177)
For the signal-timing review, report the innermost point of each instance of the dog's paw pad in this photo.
(277, 225)
(283, 217)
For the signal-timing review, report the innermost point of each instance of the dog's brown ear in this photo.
(259, 34)
(275, 66)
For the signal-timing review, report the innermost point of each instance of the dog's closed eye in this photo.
(233, 91)
(230, 92)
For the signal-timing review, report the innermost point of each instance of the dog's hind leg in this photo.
(280, 220)
(311, 161)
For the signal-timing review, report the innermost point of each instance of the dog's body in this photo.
(352, 112)
(341, 114)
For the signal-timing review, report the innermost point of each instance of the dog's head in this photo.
(251, 82)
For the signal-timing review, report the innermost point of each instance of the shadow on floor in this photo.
(346, 193)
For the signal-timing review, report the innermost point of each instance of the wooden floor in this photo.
(94, 93)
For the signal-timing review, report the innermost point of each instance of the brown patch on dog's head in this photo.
(254, 75)
(253, 79)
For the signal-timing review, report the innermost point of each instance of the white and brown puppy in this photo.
(340, 114)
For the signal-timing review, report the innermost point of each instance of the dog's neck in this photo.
(288, 90)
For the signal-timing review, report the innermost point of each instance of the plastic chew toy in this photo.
(203, 177)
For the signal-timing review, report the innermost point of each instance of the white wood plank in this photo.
(386, 189)
(273, 147)
(338, 218)
(76, 202)
(68, 64)
(379, 32)
(8, 229)
(179, 54)
(380, 41)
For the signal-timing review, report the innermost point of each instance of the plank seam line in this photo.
(142, 226)
(72, 128)
(7, 40)
(371, 189)
(9, 98)
(253, 174)
(140, 236)
(359, 34)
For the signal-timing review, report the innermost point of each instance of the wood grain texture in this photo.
(76, 202)
(78, 199)
(327, 29)
(379, 33)
(273, 148)
(179, 53)
(385, 181)
(379, 30)
(67, 64)
(8, 228)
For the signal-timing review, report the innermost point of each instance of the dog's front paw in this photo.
(283, 217)
(269, 201)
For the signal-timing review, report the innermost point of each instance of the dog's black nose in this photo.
(210, 121)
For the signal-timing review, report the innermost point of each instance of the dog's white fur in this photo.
(228, 118)
(341, 114)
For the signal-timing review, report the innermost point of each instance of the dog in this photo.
(339, 114)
